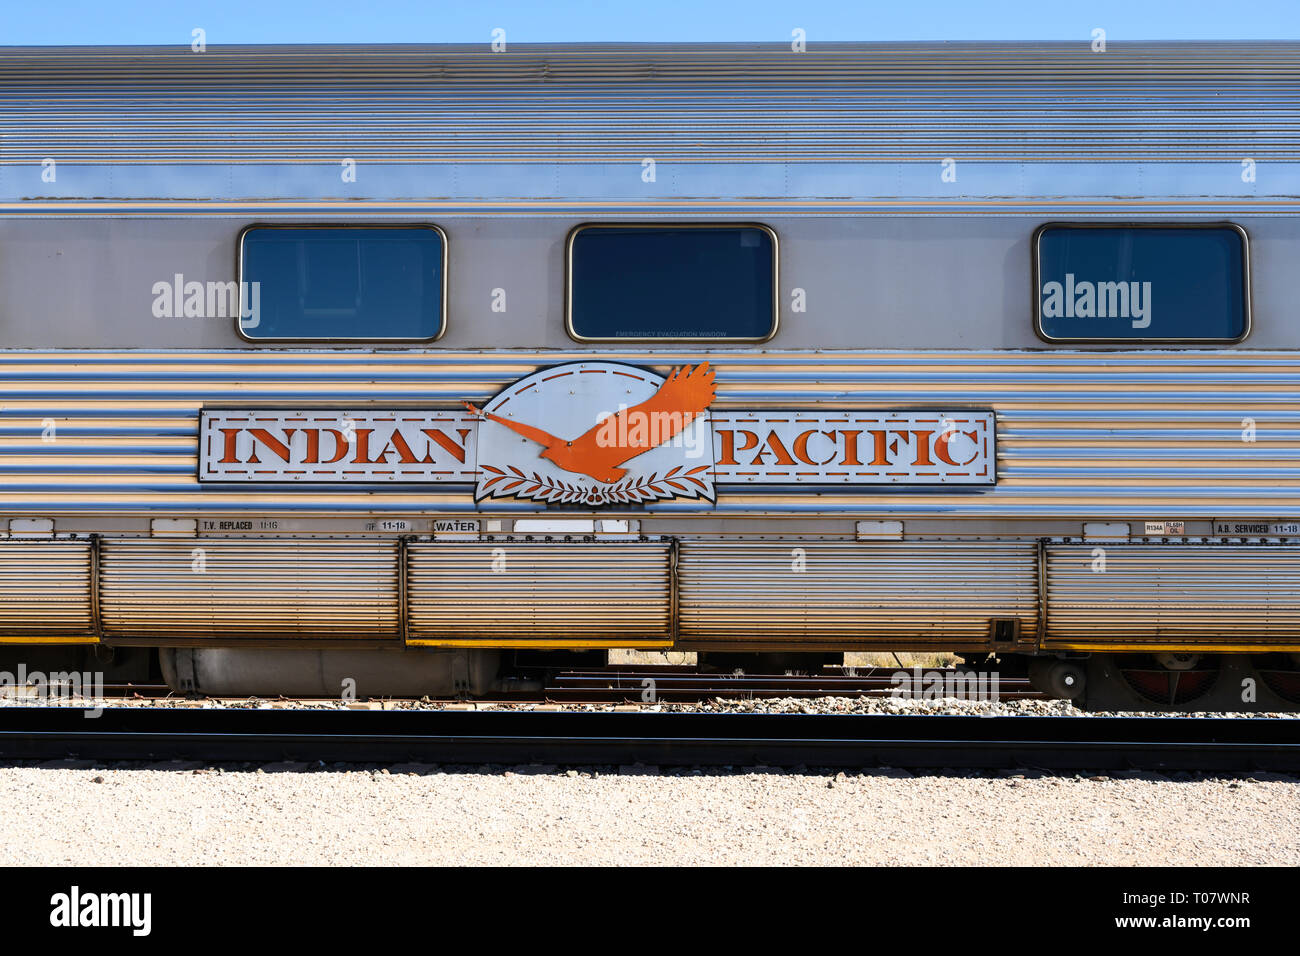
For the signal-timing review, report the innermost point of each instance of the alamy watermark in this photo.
(637, 428)
(77, 908)
(85, 687)
(920, 684)
(178, 298)
(1101, 300)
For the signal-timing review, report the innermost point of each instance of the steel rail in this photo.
(668, 683)
(602, 739)
(630, 686)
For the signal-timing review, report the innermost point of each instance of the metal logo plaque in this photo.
(600, 433)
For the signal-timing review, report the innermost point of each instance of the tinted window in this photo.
(342, 283)
(1152, 282)
(639, 282)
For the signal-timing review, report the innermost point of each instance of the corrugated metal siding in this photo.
(944, 593)
(1117, 434)
(225, 589)
(518, 593)
(729, 592)
(45, 589)
(616, 103)
(1176, 594)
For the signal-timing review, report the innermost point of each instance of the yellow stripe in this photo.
(546, 645)
(49, 640)
(1173, 648)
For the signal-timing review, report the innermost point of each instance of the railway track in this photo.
(676, 739)
(684, 683)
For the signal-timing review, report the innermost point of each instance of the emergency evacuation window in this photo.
(363, 283)
(1146, 283)
(672, 282)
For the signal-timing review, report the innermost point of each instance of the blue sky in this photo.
(469, 21)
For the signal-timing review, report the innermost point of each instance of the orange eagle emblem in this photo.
(620, 437)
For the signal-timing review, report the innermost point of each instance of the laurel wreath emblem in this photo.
(676, 481)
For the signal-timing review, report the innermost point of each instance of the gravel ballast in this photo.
(298, 814)
(733, 705)
(189, 814)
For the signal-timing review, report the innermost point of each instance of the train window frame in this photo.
(444, 304)
(636, 224)
(1036, 279)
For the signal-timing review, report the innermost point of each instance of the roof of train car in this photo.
(814, 46)
(855, 103)
(634, 62)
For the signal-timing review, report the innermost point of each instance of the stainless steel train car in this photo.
(402, 365)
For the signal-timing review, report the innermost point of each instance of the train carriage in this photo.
(402, 365)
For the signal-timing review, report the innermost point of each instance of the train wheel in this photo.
(1170, 679)
(1280, 673)
(1062, 679)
